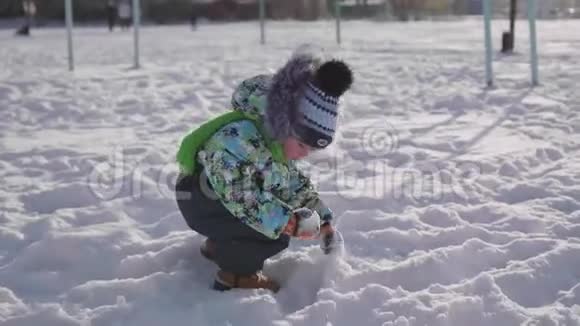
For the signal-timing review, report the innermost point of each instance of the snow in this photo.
(459, 205)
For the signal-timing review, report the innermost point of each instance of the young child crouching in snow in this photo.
(239, 185)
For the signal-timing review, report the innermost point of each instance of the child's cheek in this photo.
(290, 152)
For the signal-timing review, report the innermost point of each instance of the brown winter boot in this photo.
(207, 249)
(226, 281)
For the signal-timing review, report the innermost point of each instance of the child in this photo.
(239, 185)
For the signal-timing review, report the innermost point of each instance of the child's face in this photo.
(295, 149)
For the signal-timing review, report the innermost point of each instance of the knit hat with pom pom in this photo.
(318, 105)
(303, 99)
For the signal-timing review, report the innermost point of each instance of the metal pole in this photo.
(487, 12)
(136, 27)
(69, 26)
(513, 14)
(532, 11)
(262, 21)
(337, 13)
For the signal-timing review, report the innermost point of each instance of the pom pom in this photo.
(333, 78)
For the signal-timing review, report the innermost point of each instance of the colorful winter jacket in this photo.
(259, 190)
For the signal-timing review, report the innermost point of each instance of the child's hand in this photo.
(330, 239)
(290, 227)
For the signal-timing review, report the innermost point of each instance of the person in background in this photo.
(193, 16)
(111, 14)
(29, 8)
(124, 11)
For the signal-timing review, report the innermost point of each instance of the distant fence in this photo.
(168, 11)
(176, 10)
(92, 10)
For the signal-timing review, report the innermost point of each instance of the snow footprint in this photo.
(70, 196)
(522, 192)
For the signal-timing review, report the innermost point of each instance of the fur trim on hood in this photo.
(275, 98)
(286, 89)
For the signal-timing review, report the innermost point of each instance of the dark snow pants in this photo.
(239, 248)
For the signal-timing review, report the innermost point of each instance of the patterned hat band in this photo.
(311, 137)
(317, 117)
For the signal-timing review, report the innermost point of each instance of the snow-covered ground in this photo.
(459, 205)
